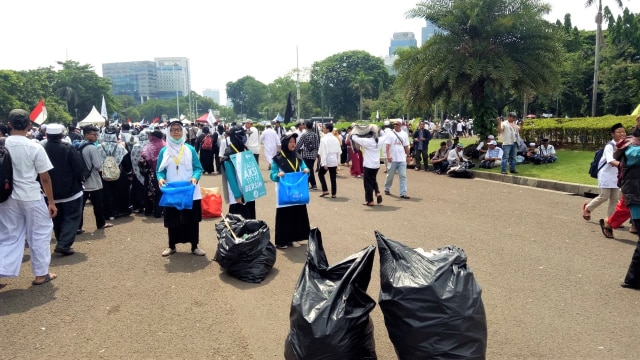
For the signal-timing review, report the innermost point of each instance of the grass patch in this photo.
(572, 166)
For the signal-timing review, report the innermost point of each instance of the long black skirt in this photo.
(292, 224)
(183, 225)
(206, 159)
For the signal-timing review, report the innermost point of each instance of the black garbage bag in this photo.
(249, 255)
(330, 310)
(431, 303)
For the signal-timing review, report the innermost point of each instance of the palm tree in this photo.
(485, 47)
(67, 94)
(594, 96)
(362, 83)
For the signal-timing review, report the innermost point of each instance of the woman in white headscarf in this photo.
(137, 185)
(178, 161)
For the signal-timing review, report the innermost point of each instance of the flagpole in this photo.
(297, 86)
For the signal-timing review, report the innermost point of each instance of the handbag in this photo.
(293, 189)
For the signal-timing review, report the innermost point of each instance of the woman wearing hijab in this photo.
(137, 185)
(232, 194)
(206, 155)
(292, 221)
(116, 193)
(150, 154)
(179, 161)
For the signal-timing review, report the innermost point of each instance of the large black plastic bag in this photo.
(330, 309)
(432, 304)
(249, 256)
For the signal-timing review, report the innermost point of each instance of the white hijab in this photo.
(173, 148)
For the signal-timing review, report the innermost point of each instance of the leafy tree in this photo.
(498, 44)
(362, 83)
(594, 99)
(247, 94)
(331, 81)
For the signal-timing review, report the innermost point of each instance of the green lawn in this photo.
(572, 166)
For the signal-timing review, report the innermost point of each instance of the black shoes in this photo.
(629, 286)
(64, 252)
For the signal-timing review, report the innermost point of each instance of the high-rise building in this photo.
(174, 76)
(213, 94)
(428, 31)
(163, 78)
(137, 79)
(402, 40)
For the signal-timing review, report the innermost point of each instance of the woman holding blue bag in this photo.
(178, 161)
(292, 221)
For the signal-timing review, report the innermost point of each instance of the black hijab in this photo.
(290, 157)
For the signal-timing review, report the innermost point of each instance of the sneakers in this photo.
(198, 252)
(168, 251)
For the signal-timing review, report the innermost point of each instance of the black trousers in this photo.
(96, 198)
(370, 184)
(312, 174)
(633, 274)
(332, 177)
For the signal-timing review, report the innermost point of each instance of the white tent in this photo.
(94, 118)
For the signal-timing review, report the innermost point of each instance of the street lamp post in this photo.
(177, 98)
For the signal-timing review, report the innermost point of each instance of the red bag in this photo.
(207, 143)
(211, 202)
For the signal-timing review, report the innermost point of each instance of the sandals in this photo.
(46, 279)
(606, 231)
(379, 199)
(586, 214)
(107, 225)
(368, 204)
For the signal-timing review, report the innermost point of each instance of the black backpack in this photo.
(594, 169)
(87, 170)
(6, 174)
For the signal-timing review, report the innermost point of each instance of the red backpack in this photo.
(207, 143)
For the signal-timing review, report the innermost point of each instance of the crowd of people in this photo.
(123, 170)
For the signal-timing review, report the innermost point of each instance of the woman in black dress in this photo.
(292, 221)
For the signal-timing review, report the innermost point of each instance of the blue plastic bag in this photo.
(177, 194)
(293, 189)
(633, 155)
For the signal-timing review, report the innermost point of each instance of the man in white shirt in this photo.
(271, 141)
(510, 132)
(329, 154)
(547, 152)
(25, 214)
(397, 150)
(493, 157)
(253, 139)
(371, 163)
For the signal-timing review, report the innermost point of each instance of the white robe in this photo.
(269, 138)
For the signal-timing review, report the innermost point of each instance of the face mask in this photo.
(175, 141)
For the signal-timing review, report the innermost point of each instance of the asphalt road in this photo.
(550, 280)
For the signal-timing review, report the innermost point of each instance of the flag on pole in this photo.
(142, 121)
(103, 109)
(377, 115)
(39, 113)
(211, 119)
(156, 120)
(128, 121)
(288, 113)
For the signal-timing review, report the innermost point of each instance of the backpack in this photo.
(110, 169)
(87, 170)
(6, 174)
(207, 143)
(594, 169)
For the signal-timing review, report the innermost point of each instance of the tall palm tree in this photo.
(594, 96)
(67, 93)
(485, 47)
(362, 83)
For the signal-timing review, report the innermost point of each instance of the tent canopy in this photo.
(94, 118)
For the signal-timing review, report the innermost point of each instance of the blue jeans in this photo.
(509, 153)
(401, 166)
(67, 222)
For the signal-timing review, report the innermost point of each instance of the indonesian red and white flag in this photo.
(39, 113)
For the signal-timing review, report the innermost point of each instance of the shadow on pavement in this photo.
(60, 260)
(186, 262)
(22, 300)
(239, 284)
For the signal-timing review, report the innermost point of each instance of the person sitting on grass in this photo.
(439, 159)
(547, 152)
(493, 157)
(456, 156)
(531, 154)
